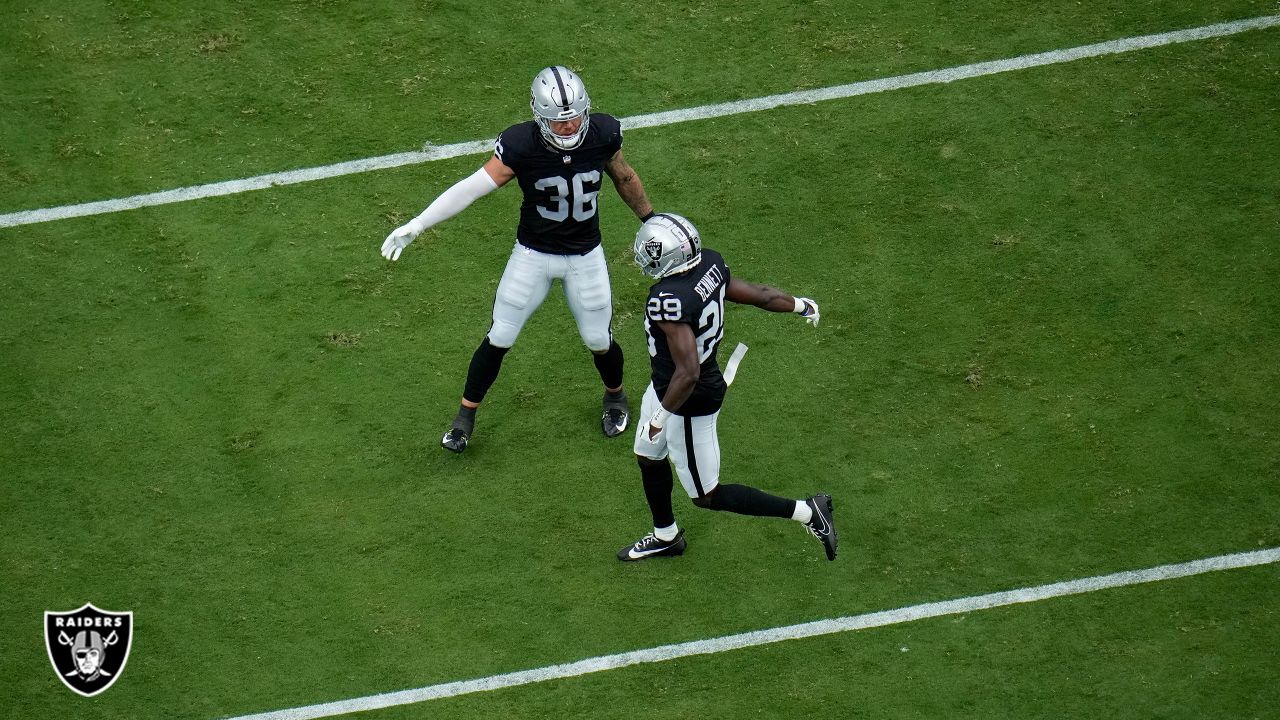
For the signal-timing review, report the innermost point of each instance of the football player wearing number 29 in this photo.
(684, 322)
(557, 158)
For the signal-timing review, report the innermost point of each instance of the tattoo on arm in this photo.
(620, 170)
(628, 185)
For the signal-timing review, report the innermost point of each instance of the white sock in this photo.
(666, 534)
(803, 513)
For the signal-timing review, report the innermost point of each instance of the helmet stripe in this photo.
(688, 236)
(564, 94)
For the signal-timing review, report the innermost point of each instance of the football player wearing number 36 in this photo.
(684, 322)
(557, 158)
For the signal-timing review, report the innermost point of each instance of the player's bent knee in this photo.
(497, 345)
(711, 500)
(597, 343)
(644, 461)
(503, 334)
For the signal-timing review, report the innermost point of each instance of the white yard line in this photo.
(442, 152)
(773, 635)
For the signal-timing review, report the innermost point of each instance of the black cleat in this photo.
(650, 546)
(614, 420)
(822, 525)
(455, 440)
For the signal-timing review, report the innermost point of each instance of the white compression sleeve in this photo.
(456, 199)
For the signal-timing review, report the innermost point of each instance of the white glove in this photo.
(450, 203)
(656, 422)
(808, 309)
(651, 436)
(400, 238)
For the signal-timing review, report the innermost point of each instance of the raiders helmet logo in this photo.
(88, 647)
(653, 249)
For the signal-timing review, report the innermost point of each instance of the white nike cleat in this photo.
(615, 418)
(650, 546)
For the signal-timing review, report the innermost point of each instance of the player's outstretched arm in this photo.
(628, 185)
(772, 299)
(491, 176)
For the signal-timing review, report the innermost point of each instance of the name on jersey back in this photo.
(709, 283)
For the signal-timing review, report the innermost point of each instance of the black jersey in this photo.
(695, 298)
(558, 214)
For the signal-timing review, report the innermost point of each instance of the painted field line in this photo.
(443, 152)
(773, 635)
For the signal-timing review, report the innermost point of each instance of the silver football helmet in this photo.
(667, 244)
(559, 94)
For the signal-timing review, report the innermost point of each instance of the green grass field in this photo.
(1050, 349)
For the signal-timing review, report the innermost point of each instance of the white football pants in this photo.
(527, 280)
(691, 442)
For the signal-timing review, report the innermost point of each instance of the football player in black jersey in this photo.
(558, 159)
(684, 322)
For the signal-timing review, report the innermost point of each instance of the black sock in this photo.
(615, 400)
(746, 500)
(609, 365)
(465, 419)
(656, 475)
(485, 364)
